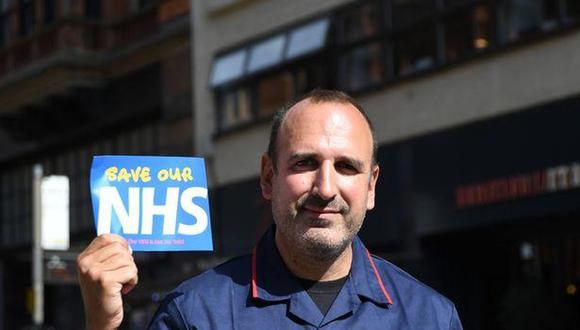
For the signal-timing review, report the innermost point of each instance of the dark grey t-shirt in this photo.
(323, 293)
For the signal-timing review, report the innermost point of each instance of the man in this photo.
(310, 270)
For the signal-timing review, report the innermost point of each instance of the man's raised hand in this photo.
(106, 272)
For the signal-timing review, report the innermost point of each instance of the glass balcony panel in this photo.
(266, 53)
(307, 38)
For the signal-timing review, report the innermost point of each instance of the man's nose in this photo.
(325, 185)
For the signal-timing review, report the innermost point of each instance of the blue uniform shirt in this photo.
(257, 291)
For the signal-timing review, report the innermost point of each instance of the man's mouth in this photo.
(321, 218)
(321, 210)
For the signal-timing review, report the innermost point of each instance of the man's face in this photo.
(325, 179)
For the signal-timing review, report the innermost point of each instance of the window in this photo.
(274, 92)
(307, 39)
(369, 43)
(467, 32)
(362, 67)
(310, 76)
(137, 5)
(415, 50)
(48, 11)
(4, 5)
(228, 67)
(234, 108)
(301, 41)
(522, 18)
(15, 202)
(248, 87)
(550, 15)
(5, 202)
(4, 22)
(359, 23)
(93, 9)
(572, 9)
(262, 96)
(407, 12)
(362, 62)
(451, 3)
(26, 17)
(266, 53)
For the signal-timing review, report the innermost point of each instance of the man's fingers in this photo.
(102, 240)
(112, 250)
(119, 279)
(131, 283)
(117, 261)
(108, 251)
(128, 287)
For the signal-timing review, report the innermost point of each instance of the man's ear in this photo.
(266, 175)
(372, 186)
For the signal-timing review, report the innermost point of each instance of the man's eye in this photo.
(304, 163)
(346, 168)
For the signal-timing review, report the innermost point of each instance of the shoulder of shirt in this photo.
(211, 291)
(406, 286)
(234, 271)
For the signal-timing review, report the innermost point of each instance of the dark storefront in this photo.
(494, 208)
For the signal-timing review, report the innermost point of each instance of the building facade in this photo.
(475, 107)
(474, 103)
(77, 79)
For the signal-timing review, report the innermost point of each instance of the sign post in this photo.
(50, 213)
(37, 278)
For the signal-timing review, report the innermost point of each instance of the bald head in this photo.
(316, 96)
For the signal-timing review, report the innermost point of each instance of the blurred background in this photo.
(476, 105)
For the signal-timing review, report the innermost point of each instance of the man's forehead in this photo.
(308, 112)
(336, 120)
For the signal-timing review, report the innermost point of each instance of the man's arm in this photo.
(455, 323)
(106, 272)
(168, 315)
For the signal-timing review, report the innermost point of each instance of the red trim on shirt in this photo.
(379, 278)
(254, 276)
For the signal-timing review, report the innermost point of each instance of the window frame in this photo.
(250, 80)
(27, 19)
(438, 18)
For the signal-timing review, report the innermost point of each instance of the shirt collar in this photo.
(368, 281)
(272, 281)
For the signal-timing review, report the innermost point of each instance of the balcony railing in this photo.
(77, 32)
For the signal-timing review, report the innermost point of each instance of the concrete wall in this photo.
(486, 87)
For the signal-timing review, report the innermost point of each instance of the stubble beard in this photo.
(314, 243)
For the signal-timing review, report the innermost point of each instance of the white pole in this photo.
(37, 276)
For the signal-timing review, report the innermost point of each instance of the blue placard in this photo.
(156, 203)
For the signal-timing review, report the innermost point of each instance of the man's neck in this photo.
(304, 266)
